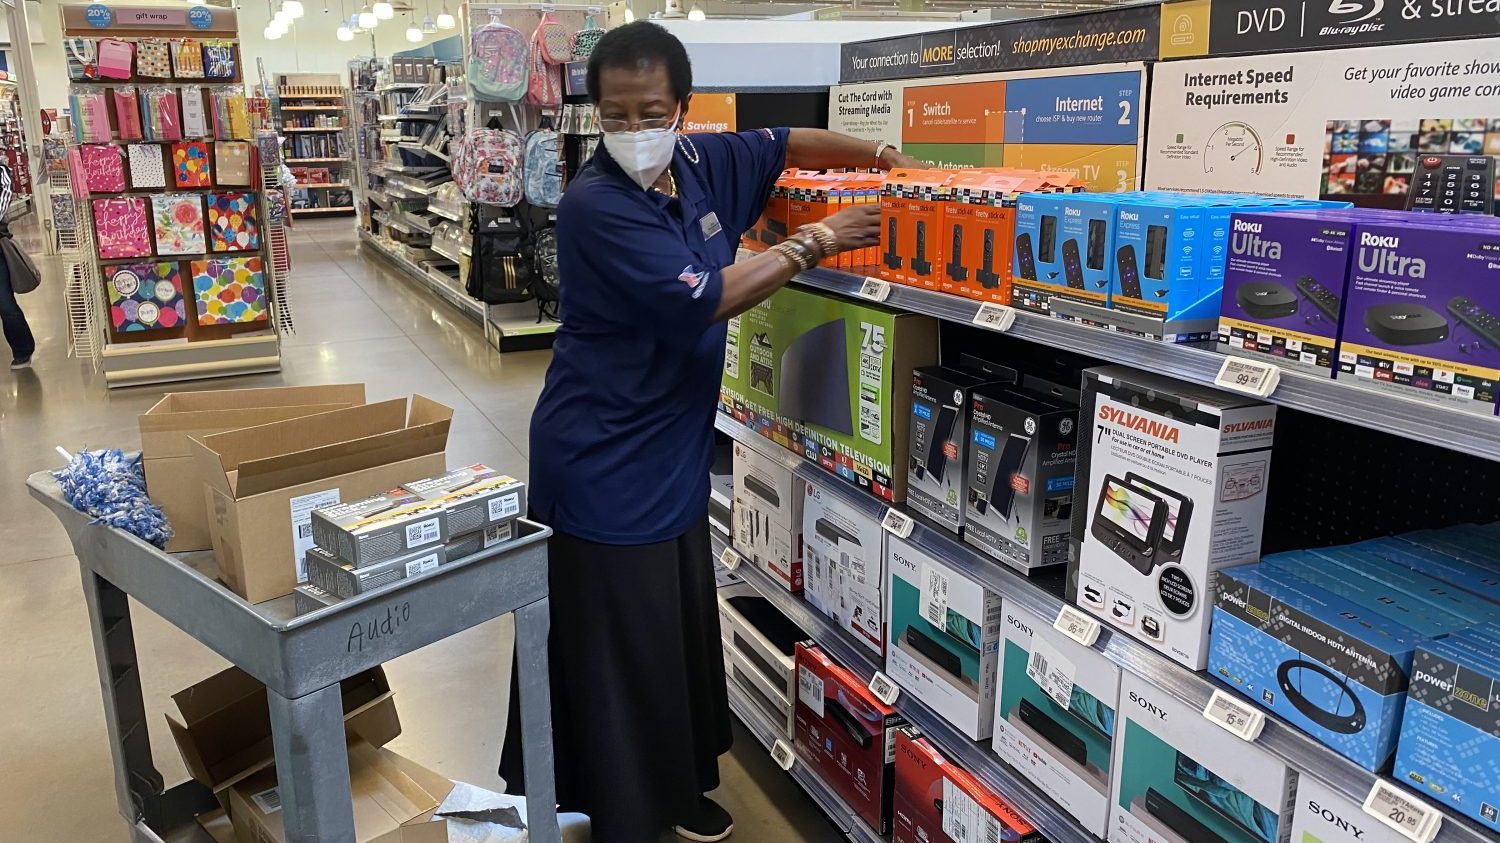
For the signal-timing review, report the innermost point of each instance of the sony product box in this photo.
(1175, 480)
(843, 564)
(1055, 719)
(1181, 778)
(819, 374)
(1333, 668)
(377, 529)
(309, 598)
(937, 802)
(1019, 477)
(1450, 736)
(767, 515)
(473, 498)
(847, 735)
(944, 637)
(264, 482)
(1423, 312)
(344, 580)
(935, 483)
(1284, 287)
(1324, 815)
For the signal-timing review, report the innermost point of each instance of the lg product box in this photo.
(847, 735)
(825, 377)
(1055, 721)
(1284, 287)
(1180, 778)
(264, 482)
(172, 479)
(1019, 477)
(935, 482)
(762, 644)
(309, 598)
(1176, 489)
(1333, 668)
(344, 579)
(1423, 311)
(767, 515)
(1325, 816)
(473, 498)
(944, 637)
(937, 802)
(1450, 736)
(843, 564)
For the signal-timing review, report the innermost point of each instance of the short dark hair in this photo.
(637, 44)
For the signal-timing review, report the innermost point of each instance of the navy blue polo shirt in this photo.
(622, 436)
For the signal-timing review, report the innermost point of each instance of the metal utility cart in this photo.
(301, 660)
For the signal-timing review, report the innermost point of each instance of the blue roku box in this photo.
(1336, 670)
(1450, 734)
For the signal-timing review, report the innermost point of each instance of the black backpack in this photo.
(546, 287)
(501, 268)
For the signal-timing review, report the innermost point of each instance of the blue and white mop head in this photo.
(111, 487)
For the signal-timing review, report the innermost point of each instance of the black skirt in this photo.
(640, 712)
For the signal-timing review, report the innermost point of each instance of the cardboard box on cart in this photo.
(263, 482)
(173, 481)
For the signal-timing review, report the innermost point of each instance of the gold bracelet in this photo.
(786, 259)
(800, 258)
(808, 255)
(810, 243)
(828, 242)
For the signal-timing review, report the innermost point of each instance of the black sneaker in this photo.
(712, 823)
(21, 363)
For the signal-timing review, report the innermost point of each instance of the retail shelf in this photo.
(325, 186)
(315, 160)
(312, 108)
(337, 209)
(313, 128)
(1336, 399)
(1278, 737)
(442, 249)
(444, 212)
(399, 86)
(401, 118)
(450, 290)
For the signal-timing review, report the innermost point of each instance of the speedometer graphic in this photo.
(1233, 149)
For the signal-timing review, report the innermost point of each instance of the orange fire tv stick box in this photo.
(979, 221)
(911, 214)
(936, 802)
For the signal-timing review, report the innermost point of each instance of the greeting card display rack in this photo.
(177, 272)
(314, 119)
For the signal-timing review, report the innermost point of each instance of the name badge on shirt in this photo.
(710, 224)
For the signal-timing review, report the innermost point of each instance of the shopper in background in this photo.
(622, 437)
(12, 319)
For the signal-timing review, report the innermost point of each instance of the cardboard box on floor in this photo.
(171, 477)
(263, 482)
(225, 731)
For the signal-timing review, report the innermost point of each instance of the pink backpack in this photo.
(556, 45)
(498, 68)
(544, 86)
(489, 167)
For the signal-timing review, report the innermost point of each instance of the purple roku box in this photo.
(1422, 316)
(1284, 287)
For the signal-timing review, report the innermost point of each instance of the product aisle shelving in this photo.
(1195, 689)
(315, 119)
(1340, 399)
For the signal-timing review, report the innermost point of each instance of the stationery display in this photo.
(190, 165)
(231, 116)
(187, 58)
(90, 114)
(83, 58)
(159, 104)
(218, 60)
(229, 290)
(153, 58)
(103, 168)
(116, 58)
(232, 221)
(179, 223)
(145, 297)
(127, 113)
(194, 115)
(120, 225)
(146, 169)
(232, 162)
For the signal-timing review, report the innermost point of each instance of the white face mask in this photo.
(643, 155)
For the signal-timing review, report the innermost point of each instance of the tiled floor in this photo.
(357, 320)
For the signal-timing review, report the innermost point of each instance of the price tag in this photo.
(1237, 718)
(898, 523)
(1051, 671)
(884, 688)
(730, 559)
(1250, 376)
(1073, 623)
(875, 290)
(1412, 818)
(783, 755)
(996, 317)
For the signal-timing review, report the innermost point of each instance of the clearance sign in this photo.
(710, 113)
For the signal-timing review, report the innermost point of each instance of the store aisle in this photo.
(357, 320)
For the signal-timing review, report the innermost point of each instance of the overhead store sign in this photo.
(1129, 34)
(1264, 26)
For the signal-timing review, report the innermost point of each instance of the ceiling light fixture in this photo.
(270, 33)
(345, 32)
(695, 15)
(445, 18)
(629, 15)
(413, 32)
(367, 19)
(384, 10)
(293, 8)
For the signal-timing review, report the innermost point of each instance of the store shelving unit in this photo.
(1278, 737)
(13, 151)
(315, 119)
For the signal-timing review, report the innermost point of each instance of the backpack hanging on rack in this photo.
(501, 269)
(489, 166)
(544, 166)
(553, 39)
(498, 69)
(586, 39)
(544, 86)
(546, 286)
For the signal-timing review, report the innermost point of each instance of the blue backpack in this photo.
(544, 168)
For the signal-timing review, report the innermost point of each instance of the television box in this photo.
(1055, 716)
(1421, 296)
(172, 479)
(935, 483)
(1175, 478)
(843, 564)
(847, 735)
(265, 481)
(1179, 777)
(819, 374)
(1019, 476)
(1271, 641)
(767, 515)
(933, 794)
(1327, 816)
(944, 637)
